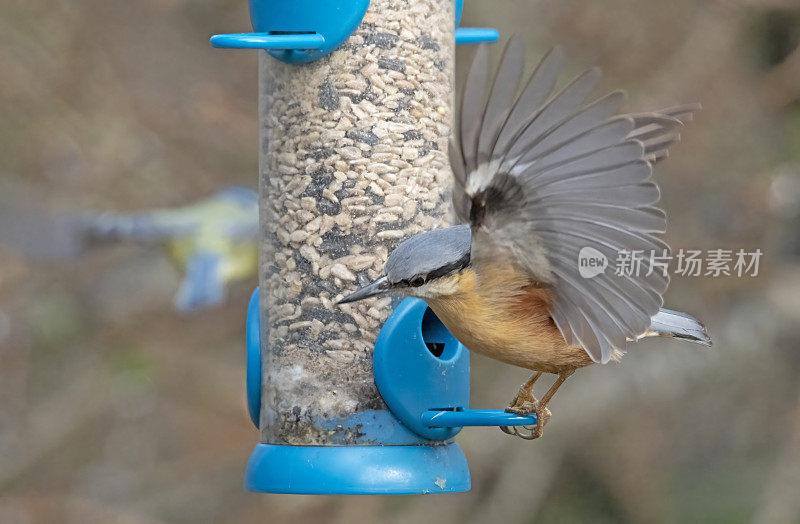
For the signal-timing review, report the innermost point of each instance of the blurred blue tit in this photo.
(212, 242)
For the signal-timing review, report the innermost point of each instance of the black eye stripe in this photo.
(439, 272)
(414, 282)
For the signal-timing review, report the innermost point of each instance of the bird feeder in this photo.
(355, 115)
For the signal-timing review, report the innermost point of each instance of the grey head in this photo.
(419, 260)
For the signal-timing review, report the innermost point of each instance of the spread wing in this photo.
(545, 178)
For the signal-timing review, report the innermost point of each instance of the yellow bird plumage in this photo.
(227, 228)
(211, 243)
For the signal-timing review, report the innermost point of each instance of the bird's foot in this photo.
(525, 408)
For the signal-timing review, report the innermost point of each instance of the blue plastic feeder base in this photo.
(357, 470)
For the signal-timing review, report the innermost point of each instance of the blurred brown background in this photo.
(115, 409)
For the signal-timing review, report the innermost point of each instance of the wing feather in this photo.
(564, 103)
(472, 108)
(538, 88)
(501, 98)
(583, 122)
(543, 176)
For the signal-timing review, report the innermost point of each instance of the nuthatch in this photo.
(540, 178)
(212, 242)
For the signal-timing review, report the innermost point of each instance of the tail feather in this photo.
(674, 324)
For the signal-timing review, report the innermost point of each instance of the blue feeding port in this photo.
(300, 31)
(253, 337)
(419, 365)
(422, 373)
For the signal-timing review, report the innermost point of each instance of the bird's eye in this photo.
(416, 282)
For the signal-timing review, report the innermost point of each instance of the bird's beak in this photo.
(374, 289)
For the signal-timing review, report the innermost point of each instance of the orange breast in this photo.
(500, 313)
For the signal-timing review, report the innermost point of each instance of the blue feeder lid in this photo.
(300, 31)
(297, 31)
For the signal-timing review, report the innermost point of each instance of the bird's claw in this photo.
(526, 408)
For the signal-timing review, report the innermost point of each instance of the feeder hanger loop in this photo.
(300, 31)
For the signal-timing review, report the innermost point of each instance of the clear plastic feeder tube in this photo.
(353, 160)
